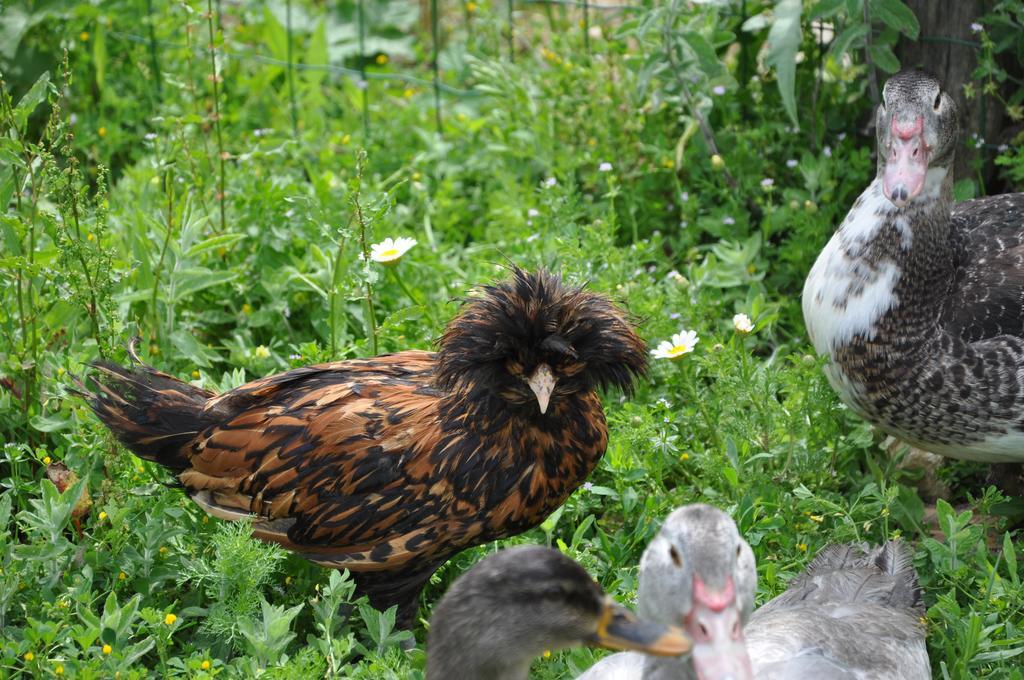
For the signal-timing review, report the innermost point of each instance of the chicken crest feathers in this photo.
(536, 318)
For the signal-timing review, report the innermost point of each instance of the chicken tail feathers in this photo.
(154, 414)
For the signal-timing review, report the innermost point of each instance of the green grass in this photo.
(113, 224)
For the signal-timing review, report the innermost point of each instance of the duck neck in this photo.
(668, 668)
(881, 260)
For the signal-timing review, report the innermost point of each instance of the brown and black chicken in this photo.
(389, 466)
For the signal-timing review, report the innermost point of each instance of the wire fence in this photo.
(360, 75)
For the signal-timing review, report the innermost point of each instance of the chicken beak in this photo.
(542, 382)
(907, 163)
(620, 628)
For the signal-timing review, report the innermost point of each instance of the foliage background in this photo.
(206, 174)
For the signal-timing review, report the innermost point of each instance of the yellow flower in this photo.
(591, 142)
(346, 139)
(84, 36)
(29, 656)
(59, 670)
(102, 132)
(103, 516)
(802, 547)
(121, 576)
(107, 649)
(381, 59)
(47, 460)
(547, 653)
(195, 375)
(163, 550)
(206, 519)
(818, 518)
(408, 92)
(91, 237)
(170, 619)
(261, 352)
(140, 468)
(287, 580)
(205, 665)
(717, 162)
(416, 177)
(685, 456)
(471, 7)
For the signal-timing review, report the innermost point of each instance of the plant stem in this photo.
(405, 289)
(216, 113)
(169, 188)
(357, 205)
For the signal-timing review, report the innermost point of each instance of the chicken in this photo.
(389, 466)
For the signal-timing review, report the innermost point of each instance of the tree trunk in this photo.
(948, 48)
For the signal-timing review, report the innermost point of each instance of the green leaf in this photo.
(850, 39)
(825, 8)
(35, 95)
(222, 241)
(186, 344)
(883, 58)
(50, 423)
(109, 635)
(316, 53)
(783, 44)
(1010, 557)
(705, 53)
(99, 54)
(895, 14)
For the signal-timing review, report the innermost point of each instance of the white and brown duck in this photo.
(919, 303)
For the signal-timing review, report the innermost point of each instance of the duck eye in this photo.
(938, 101)
(674, 554)
(739, 552)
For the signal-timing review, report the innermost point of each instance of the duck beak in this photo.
(542, 382)
(907, 162)
(715, 625)
(619, 628)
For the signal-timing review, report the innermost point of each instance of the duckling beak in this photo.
(542, 382)
(906, 165)
(619, 628)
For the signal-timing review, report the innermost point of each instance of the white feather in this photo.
(832, 318)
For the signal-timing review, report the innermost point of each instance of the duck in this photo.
(917, 303)
(699, 573)
(519, 602)
(853, 614)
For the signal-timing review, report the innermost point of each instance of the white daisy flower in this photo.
(742, 323)
(681, 343)
(605, 167)
(390, 251)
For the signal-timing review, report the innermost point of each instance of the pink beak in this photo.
(716, 628)
(907, 162)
